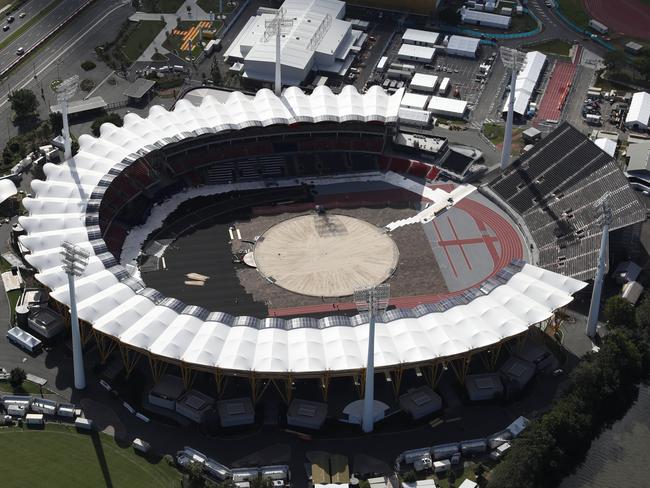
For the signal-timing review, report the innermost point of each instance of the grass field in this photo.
(555, 46)
(213, 5)
(58, 456)
(27, 388)
(139, 38)
(575, 12)
(494, 132)
(162, 6)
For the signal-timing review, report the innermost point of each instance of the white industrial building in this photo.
(639, 113)
(420, 37)
(466, 47)
(606, 145)
(424, 83)
(485, 19)
(447, 107)
(414, 117)
(415, 100)
(420, 54)
(317, 39)
(527, 80)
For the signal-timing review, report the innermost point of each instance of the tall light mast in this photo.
(512, 60)
(64, 92)
(74, 261)
(275, 27)
(373, 300)
(594, 307)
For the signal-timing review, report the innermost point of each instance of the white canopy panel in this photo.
(122, 307)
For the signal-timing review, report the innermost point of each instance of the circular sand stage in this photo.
(325, 255)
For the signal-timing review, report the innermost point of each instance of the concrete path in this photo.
(194, 14)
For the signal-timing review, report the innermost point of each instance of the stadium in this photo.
(208, 227)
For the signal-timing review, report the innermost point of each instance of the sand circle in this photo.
(325, 255)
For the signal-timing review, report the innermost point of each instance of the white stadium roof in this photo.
(121, 307)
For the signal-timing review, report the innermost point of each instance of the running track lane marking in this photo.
(444, 248)
(462, 249)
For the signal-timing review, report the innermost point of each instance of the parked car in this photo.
(20, 51)
(11, 19)
(22, 15)
(5, 27)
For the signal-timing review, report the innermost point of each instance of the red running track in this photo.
(557, 90)
(485, 218)
(629, 17)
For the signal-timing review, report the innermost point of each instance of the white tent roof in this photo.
(463, 44)
(7, 189)
(639, 111)
(527, 79)
(119, 306)
(420, 36)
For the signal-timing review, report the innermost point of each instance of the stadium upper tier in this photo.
(66, 207)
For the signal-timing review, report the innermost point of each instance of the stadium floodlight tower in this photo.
(64, 92)
(74, 261)
(513, 60)
(605, 221)
(275, 27)
(373, 300)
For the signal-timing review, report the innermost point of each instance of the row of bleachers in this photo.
(412, 167)
(141, 173)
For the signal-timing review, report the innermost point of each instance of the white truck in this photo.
(598, 27)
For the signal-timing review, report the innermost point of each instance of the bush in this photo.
(16, 377)
(88, 66)
(111, 118)
(409, 477)
(169, 459)
(87, 85)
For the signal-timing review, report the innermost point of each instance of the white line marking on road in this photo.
(28, 79)
(100, 84)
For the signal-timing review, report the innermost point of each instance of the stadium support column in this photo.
(594, 306)
(374, 300)
(74, 262)
(278, 64)
(512, 60)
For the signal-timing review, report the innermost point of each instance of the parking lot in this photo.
(462, 72)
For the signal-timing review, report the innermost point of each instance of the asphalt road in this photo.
(36, 32)
(61, 56)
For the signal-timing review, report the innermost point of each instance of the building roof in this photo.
(463, 44)
(118, 306)
(447, 105)
(554, 187)
(639, 111)
(606, 145)
(638, 157)
(139, 88)
(527, 80)
(501, 21)
(532, 132)
(418, 52)
(420, 36)
(415, 100)
(423, 80)
(80, 106)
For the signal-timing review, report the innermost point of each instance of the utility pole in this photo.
(64, 92)
(512, 60)
(605, 218)
(74, 261)
(373, 300)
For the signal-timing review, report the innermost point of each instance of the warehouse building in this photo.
(420, 37)
(466, 47)
(424, 83)
(419, 54)
(485, 19)
(317, 39)
(527, 80)
(447, 107)
(639, 112)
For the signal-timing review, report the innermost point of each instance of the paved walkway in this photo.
(194, 14)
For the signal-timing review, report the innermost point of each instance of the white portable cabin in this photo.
(444, 451)
(83, 423)
(140, 445)
(442, 465)
(443, 89)
(412, 455)
(598, 27)
(424, 83)
(24, 340)
(34, 419)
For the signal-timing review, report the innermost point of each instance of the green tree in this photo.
(56, 123)
(23, 102)
(195, 477)
(643, 67)
(111, 118)
(643, 313)
(16, 377)
(618, 312)
(261, 482)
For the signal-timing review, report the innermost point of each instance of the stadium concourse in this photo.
(265, 144)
